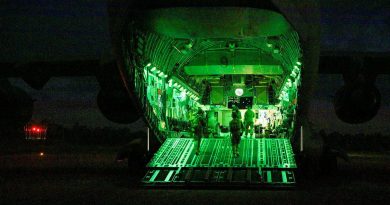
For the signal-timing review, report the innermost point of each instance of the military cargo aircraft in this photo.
(174, 57)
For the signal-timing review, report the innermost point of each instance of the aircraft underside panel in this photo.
(262, 162)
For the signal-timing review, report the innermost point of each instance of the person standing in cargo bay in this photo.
(236, 130)
(236, 110)
(198, 127)
(249, 121)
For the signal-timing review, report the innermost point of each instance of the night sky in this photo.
(51, 30)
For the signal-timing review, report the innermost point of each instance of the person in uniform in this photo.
(237, 111)
(199, 125)
(249, 121)
(236, 130)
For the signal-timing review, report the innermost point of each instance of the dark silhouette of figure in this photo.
(237, 111)
(199, 126)
(249, 121)
(235, 130)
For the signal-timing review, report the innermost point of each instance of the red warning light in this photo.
(35, 132)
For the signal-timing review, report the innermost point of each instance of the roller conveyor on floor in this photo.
(262, 162)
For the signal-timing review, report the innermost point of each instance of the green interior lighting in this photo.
(211, 72)
(183, 95)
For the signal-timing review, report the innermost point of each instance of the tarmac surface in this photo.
(94, 177)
